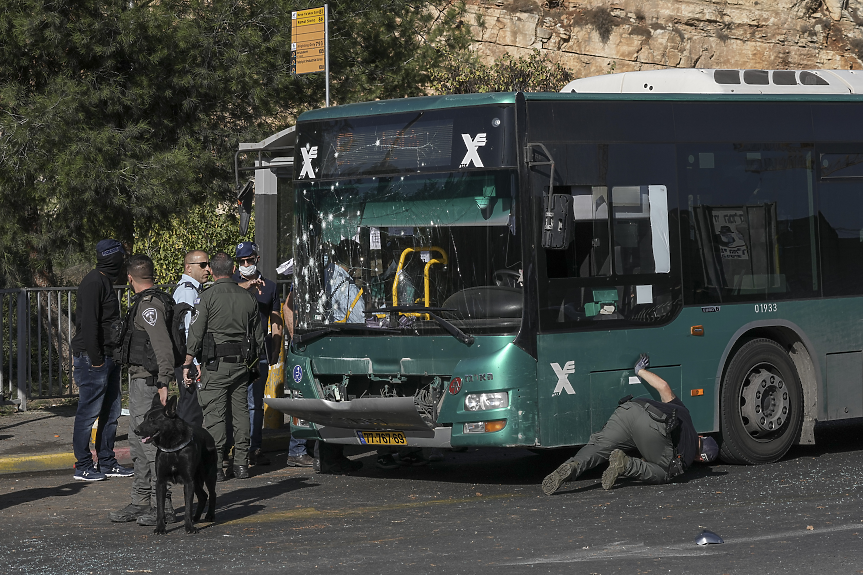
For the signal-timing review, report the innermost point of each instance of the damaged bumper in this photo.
(344, 421)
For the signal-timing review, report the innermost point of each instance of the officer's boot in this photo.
(555, 479)
(617, 463)
(149, 520)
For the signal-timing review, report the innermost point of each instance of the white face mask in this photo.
(248, 271)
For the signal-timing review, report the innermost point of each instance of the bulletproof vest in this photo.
(136, 348)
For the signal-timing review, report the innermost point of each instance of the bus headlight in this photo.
(482, 401)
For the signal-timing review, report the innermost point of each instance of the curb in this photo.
(272, 440)
(49, 461)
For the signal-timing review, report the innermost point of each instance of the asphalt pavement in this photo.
(482, 511)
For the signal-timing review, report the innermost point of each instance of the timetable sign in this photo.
(308, 41)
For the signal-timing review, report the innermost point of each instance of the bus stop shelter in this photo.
(267, 160)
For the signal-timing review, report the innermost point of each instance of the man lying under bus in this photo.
(661, 431)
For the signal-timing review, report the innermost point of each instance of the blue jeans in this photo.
(297, 447)
(98, 398)
(256, 404)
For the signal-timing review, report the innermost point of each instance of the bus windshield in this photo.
(444, 241)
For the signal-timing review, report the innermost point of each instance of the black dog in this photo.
(186, 454)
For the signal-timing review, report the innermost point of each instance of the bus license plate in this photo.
(382, 438)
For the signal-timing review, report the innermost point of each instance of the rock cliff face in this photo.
(591, 37)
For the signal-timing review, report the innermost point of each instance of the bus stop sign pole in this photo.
(327, 50)
(310, 43)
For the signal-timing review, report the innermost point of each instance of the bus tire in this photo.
(761, 409)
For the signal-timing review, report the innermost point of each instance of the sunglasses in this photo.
(247, 261)
(203, 265)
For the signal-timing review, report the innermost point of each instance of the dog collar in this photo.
(172, 449)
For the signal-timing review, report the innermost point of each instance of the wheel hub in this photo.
(764, 403)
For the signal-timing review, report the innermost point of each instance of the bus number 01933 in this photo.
(765, 307)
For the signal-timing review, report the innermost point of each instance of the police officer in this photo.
(661, 431)
(196, 270)
(225, 332)
(148, 350)
(266, 293)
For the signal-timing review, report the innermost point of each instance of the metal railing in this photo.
(36, 326)
(36, 330)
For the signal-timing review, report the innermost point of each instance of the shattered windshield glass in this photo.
(444, 241)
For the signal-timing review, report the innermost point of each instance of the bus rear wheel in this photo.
(761, 408)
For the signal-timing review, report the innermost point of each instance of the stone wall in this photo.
(591, 37)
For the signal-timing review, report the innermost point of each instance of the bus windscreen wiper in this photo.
(302, 338)
(430, 311)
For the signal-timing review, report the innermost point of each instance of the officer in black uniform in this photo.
(661, 431)
(225, 333)
(149, 352)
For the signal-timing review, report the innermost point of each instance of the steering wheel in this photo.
(507, 278)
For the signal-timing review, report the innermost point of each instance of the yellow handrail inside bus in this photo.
(443, 260)
(351, 308)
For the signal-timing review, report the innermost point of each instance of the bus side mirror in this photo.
(557, 223)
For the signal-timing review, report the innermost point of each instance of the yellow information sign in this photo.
(308, 41)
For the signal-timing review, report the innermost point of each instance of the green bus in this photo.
(484, 269)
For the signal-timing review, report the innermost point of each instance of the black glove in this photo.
(193, 374)
(643, 363)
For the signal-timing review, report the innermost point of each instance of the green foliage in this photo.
(210, 226)
(120, 112)
(117, 113)
(464, 74)
(388, 48)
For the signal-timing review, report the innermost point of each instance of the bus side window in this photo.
(753, 222)
(641, 244)
(590, 252)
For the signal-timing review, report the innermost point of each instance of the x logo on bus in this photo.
(472, 155)
(309, 153)
(455, 385)
(563, 374)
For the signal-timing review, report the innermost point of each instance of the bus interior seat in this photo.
(486, 302)
(605, 301)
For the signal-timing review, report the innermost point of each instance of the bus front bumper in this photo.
(344, 421)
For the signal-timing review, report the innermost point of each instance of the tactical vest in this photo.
(135, 347)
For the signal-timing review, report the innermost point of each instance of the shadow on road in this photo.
(519, 466)
(25, 422)
(248, 501)
(492, 465)
(832, 437)
(36, 494)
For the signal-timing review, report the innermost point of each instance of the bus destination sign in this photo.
(308, 41)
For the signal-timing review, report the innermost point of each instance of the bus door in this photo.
(613, 277)
(609, 286)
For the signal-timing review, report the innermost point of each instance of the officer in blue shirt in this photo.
(196, 267)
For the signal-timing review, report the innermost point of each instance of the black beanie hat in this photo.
(109, 258)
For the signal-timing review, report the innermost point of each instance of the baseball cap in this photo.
(709, 450)
(109, 246)
(246, 249)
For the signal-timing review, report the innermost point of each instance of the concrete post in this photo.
(266, 220)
